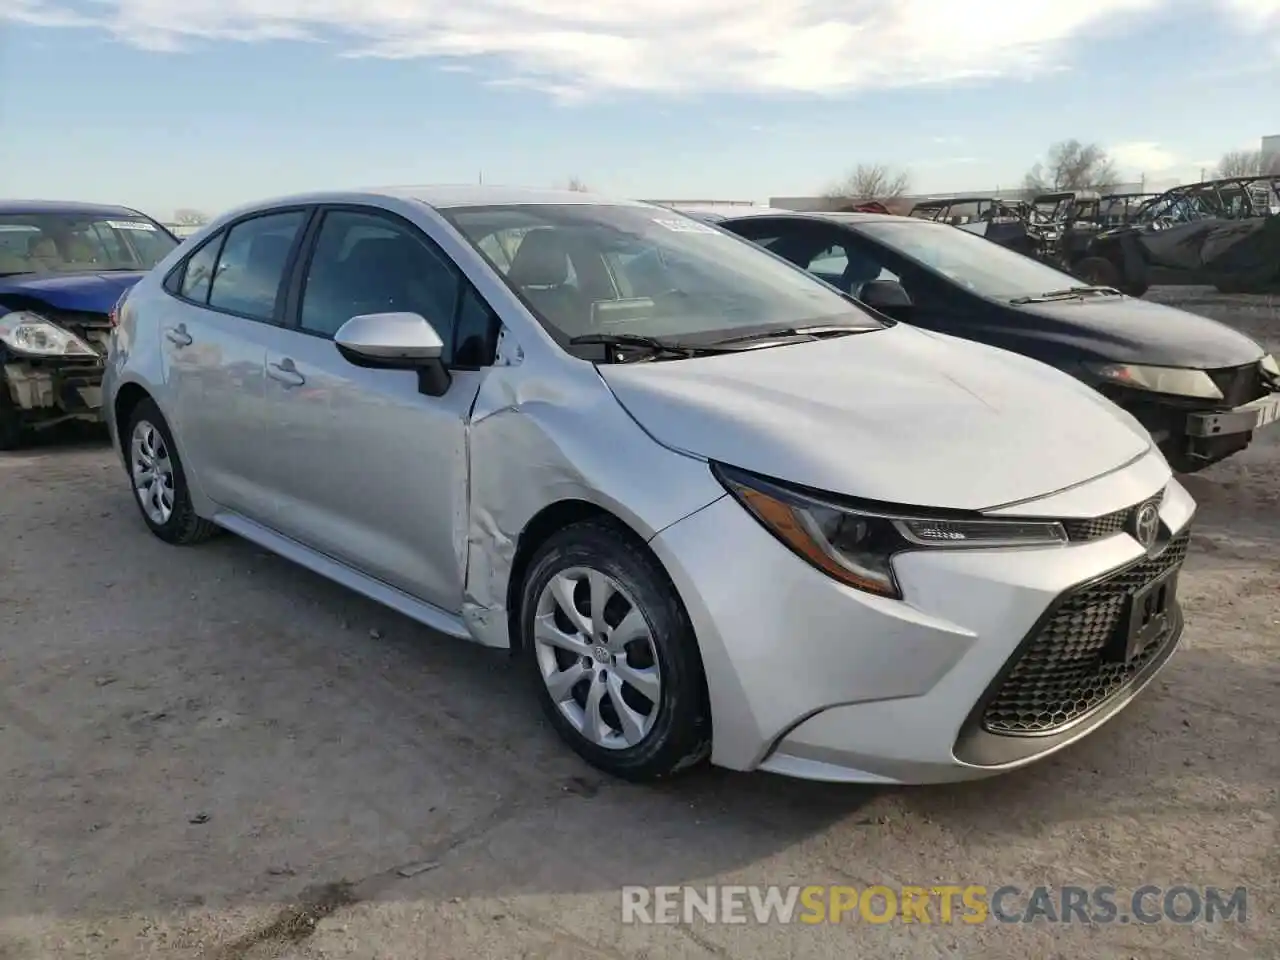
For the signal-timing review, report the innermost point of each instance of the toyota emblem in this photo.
(1146, 525)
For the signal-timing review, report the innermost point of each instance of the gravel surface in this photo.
(210, 753)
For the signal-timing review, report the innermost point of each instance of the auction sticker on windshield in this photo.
(686, 226)
(130, 225)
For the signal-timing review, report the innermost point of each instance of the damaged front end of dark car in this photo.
(63, 268)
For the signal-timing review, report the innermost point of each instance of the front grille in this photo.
(1105, 526)
(1239, 385)
(1062, 673)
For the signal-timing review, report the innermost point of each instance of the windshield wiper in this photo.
(1071, 293)
(651, 346)
(814, 331)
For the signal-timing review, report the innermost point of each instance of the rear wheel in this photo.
(613, 655)
(1101, 272)
(159, 483)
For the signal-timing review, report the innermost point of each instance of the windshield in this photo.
(76, 243)
(601, 269)
(971, 261)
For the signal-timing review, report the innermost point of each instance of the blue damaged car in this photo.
(63, 267)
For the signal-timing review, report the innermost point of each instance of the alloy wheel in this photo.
(152, 471)
(596, 654)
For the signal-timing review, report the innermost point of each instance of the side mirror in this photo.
(887, 296)
(396, 341)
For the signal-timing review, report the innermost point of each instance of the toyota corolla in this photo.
(717, 508)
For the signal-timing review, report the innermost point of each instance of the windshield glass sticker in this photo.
(686, 226)
(130, 225)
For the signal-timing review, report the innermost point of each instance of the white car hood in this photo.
(900, 416)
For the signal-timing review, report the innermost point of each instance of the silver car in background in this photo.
(717, 508)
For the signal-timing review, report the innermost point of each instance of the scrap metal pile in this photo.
(1223, 233)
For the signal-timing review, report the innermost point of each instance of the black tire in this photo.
(1099, 271)
(183, 527)
(680, 735)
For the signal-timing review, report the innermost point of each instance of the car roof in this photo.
(726, 211)
(65, 206)
(848, 218)
(954, 201)
(444, 196)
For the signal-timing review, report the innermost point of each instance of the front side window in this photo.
(251, 266)
(968, 260)
(619, 269)
(368, 263)
(52, 243)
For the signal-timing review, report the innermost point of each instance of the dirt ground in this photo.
(212, 753)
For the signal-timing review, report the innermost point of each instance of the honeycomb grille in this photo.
(1063, 673)
(1107, 525)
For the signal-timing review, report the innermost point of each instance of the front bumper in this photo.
(813, 679)
(45, 391)
(1247, 418)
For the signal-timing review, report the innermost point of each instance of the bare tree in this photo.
(577, 185)
(1247, 163)
(1072, 165)
(870, 181)
(190, 218)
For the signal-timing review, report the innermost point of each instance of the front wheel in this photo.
(613, 655)
(159, 481)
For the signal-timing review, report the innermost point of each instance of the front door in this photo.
(369, 470)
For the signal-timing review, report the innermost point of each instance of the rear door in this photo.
(227, 303)
(368, 470)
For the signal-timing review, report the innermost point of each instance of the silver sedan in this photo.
(718, 508)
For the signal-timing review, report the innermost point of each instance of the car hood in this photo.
(1129, 330)
(84, 292)
(900, 416)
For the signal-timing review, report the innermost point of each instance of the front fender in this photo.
(536, 441)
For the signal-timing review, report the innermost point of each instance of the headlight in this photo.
(1173, 381)
(856, 545)
(31, 333)
(1271, 370)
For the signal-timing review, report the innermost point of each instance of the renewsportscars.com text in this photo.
(945, 904)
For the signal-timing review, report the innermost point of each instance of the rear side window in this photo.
(248, 278)
(199, 271)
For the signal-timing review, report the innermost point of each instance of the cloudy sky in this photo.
(207, 103)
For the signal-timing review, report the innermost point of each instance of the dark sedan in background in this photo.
(63, 266)
(1200, 387)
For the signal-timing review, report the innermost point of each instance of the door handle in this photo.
(286, 373)
(178, 335)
